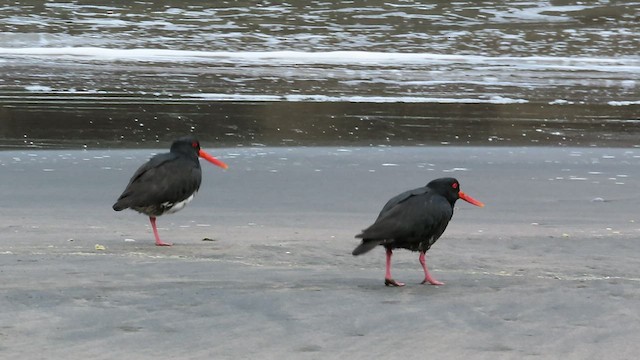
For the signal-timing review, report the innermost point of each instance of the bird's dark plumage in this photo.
(167, 182)
(413, 220)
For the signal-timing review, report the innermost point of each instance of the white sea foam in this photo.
(38, 88)
(623, 103)
(363, 58)
(536, 14)
(355, 99)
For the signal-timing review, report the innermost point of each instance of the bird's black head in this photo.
(450, 189)
(190, 146)
(187, 145)
(447, 187)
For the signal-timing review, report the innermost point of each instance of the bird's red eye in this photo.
(454, 185)
(195, 144)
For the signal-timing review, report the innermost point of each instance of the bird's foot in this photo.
(391, 282)
(431, 281)
(162, 243)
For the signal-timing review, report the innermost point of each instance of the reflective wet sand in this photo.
(148, 124)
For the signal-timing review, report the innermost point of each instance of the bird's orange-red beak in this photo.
(203, 154)
(469, 199)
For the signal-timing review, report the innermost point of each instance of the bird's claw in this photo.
(391, 282)
(163, 244)
(431, 282)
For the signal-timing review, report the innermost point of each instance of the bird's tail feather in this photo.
(118, 206)
(365, 246)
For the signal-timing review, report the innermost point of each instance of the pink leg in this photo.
(388, 280)
(427, 276)
(159, 242)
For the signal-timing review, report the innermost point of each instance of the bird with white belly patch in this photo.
(167, 182)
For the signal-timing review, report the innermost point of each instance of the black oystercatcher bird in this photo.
(167, 182)
(414, 220)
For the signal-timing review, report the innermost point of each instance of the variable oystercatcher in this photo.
(414, 220)
(167, 182)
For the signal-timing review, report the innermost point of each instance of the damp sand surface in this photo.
(262, 264)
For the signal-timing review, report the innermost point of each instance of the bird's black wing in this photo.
(155, 182)
(154, 162)
(402, 197)
(411, 216)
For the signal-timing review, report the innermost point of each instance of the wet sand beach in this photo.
(261, 265)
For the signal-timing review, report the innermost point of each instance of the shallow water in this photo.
(320, 73)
